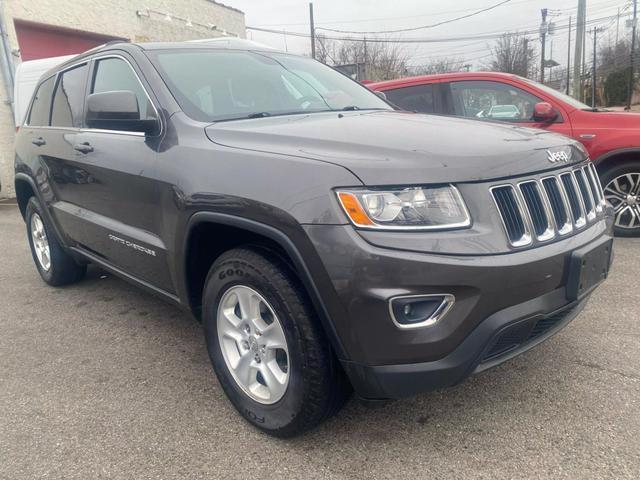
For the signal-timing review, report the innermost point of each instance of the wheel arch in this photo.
(620, 155)
(25, 189)
(246, 232)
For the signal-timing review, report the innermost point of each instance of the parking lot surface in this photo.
(101, 380)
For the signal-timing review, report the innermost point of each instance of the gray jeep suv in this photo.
(327, 241)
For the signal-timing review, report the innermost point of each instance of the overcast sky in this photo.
(376, 15)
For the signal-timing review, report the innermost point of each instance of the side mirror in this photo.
(381, 95)
(118, 110)
(544, 112)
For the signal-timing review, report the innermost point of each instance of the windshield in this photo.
(559, 95)
(216, 85)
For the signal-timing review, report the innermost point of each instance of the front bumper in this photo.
(505, 304)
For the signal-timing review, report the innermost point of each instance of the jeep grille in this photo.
(545, 208)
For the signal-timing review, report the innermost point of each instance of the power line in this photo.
(367, 20)
(413, 29)
(416, 40)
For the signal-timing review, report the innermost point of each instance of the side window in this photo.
(418, 98)
(115, 74)
(492, 101)
(68, 100)
(41, 106)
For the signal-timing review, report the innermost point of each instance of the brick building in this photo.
(34, 29)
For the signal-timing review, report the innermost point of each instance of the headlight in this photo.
(408, 208)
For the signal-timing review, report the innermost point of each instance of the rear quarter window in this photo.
(41, 105)
(418, 98)
(68, 101)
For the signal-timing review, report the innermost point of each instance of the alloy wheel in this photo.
(40, 242)
(623, 193)
(253, 344)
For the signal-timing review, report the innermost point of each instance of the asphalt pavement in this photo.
(101, 380)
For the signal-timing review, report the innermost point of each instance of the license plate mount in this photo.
(588, 267)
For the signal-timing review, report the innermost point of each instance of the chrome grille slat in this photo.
(556, 205)
(559, 205)
(538, 211)
(585, 193)
(594, 182)
(570, 188)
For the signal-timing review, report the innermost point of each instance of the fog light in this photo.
(420, 310)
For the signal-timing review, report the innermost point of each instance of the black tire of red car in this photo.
(628, 176)
(317, 387)
(63, 268)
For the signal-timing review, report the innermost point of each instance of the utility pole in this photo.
(313, 31)
(543, 39)
(364, 68)
(569, 58)
(577, 59)
(526, 57)
(593, 69)
(633, 54)
(617, 26)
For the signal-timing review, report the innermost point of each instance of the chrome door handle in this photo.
(83, 147)
(38, 141)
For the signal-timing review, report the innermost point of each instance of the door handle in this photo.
(38, 141)
(83, 147)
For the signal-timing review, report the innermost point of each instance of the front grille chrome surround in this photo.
(542, 209)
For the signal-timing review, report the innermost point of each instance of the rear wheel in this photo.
(272, 360)
(56, 267)
(621, 185)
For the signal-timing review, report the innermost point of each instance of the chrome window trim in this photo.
(549, 233)
(567, 228)
(527, 238)
(448, 300)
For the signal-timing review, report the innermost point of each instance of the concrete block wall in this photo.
(115, 18)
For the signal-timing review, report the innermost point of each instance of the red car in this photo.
(611, 138)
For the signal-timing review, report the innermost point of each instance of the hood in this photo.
(613, 120)
(392, 148)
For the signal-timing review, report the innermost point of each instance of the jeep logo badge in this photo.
(559, 156)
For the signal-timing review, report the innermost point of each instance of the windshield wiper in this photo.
(258, 115)
(350, 108)
(595, 109)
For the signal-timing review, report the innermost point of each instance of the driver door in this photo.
(500, 101)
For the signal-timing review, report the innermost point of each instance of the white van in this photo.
(27, 76)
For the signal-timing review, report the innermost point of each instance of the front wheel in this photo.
(621, 185)
(272, 360)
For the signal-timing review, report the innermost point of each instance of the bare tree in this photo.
(381, 61)
(439, 65)
(513, 54)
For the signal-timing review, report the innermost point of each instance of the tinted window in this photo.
(213, 85)
(41, 107)
(493, 101)
(68, 100)
(116, 74)
(418, 98)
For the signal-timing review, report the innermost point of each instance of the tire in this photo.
(316, 387)
(61, 268)
(626, 206)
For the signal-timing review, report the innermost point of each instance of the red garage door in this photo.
(38, 40)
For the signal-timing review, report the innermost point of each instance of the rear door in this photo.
(500, 101)
(55, 142)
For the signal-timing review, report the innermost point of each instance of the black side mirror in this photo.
(118, 110)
